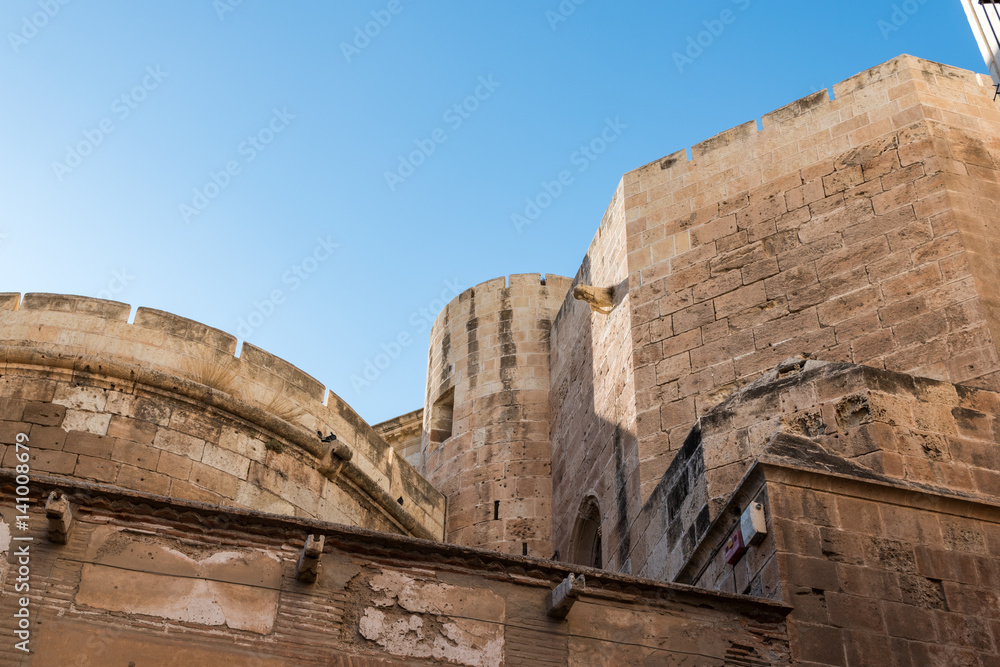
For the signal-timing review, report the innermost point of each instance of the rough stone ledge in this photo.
(911, 494)
(386, 546)
(67, 303)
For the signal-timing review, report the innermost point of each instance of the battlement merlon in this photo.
(873, 103)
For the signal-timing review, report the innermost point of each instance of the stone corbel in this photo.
(60, 515)
(337, 453)
(561, 598)
(601, 299)
(307, 569)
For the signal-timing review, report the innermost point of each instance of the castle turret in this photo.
(486, 421)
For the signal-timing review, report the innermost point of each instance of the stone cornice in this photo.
(249, 524)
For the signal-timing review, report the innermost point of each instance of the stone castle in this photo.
(764, 434)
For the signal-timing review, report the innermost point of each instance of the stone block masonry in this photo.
(852, 238)
(855, 229)
(882, 512)
(803, 320)
(163, 406)
(404, 433)
(592, 403)
(894, 578)
(850, 230)
(486, 417)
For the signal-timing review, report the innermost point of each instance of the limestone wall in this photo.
(925, 432)
(142, 578)
(403, 434)
(881, 494)
(844, 419)
(486, 416)
(882, 575)
(592, 402)
(856, 229)
(162, 405)
(877, 573)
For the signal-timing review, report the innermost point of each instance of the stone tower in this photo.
(486, 426)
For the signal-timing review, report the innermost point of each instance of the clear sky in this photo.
(272, 170)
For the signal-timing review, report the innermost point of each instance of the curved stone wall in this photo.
(163, 406)
(486, 418)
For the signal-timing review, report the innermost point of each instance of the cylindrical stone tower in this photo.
(486, 418)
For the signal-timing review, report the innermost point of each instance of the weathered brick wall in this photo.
(841, 230)
(143, 578)
(162, 406)
(592, 402)
(486, 418)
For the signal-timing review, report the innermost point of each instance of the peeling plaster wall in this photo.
(154, 581)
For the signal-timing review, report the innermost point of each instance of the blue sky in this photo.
(272, 170)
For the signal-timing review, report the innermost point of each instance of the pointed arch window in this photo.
(586, 540)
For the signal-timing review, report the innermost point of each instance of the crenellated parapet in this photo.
(163, 405)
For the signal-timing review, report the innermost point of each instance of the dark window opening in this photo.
(442, 415)
(496, 510)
